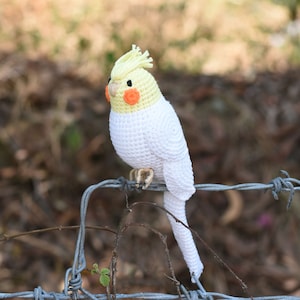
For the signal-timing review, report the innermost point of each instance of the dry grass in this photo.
(197, 36)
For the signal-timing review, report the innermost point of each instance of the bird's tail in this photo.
(182, 234)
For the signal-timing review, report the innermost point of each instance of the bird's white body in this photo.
(147, 134)
(153, 138)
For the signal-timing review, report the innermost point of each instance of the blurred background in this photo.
(231, 70)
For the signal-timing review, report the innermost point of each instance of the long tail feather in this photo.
(183, 235)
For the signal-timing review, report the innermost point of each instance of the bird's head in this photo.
(130, 87)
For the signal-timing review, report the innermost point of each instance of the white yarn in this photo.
(153, 138)
(183, 235)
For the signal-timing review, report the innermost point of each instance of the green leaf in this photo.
(104, 278)
(105, 271)
(95, 269)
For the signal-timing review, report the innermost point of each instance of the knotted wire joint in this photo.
(198, 294)
(128, 185)
(75, 284)
(202, 293)
(280, 184)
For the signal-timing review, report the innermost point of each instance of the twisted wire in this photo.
(73, 284)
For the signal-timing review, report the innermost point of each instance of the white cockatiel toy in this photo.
(146, 133)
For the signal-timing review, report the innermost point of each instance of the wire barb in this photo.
(280, 184)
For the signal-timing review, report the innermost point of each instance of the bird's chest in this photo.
(130, 137)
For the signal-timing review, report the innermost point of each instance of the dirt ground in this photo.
(54, 143)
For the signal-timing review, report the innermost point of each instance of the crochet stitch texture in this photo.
(146, 133)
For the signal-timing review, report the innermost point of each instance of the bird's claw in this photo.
(143, 177)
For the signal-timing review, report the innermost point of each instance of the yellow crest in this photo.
(130, 61)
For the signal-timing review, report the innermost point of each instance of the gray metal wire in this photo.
(73, 284)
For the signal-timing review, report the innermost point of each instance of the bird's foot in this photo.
(143, 177)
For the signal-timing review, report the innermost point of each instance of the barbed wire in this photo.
(73, 283)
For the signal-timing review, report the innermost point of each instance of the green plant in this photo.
(104, 274)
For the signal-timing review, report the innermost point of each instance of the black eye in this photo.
(109, 79)
(129, 83)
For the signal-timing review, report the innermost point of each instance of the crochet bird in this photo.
(146, 133)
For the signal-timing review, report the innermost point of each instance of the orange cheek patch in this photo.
(131, 96)
(107, 94)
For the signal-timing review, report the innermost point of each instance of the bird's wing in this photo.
(166, 140)
(164, 135)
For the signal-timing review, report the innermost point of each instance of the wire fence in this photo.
(73, 288)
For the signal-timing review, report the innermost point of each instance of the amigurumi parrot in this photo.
(147, 135)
